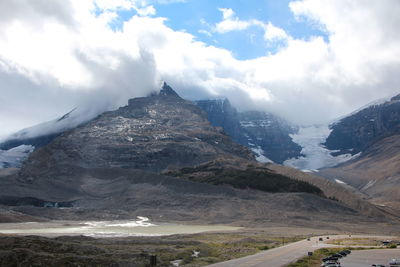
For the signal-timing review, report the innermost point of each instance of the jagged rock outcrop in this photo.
(266, 134)
(221, 113)
(270, 134)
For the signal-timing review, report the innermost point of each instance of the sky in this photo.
(308, 61)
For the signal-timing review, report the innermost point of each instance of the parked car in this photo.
(343, 253)
(330, 258)
(394, 263)
(347, 251)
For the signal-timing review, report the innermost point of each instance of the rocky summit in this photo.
(150, 133)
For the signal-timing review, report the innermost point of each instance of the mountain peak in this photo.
(166, 90)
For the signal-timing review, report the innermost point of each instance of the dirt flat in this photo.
(107, 228)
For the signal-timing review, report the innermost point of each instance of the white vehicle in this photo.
(394, 263)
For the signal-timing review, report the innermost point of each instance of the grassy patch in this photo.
(255, 178)
(74, 251)
(357, 242)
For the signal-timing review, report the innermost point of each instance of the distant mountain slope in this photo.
(361, 129)
(17, 147)
(375, 133)
(221, 113)
(41, 134)
(375, 173)
(264, 133)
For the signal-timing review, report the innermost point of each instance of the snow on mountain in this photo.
(67, 121)
(316, 156)
(17, 147)
(13, 157)
(260, 155)
(371, 104)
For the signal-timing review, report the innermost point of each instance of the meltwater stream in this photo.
(123, 228)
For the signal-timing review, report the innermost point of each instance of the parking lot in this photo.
(365, 258)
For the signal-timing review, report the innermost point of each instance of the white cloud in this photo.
(51, 61)
(205, 32)
(232, 23)
(274, 33)
(146, 11)
(167, 2)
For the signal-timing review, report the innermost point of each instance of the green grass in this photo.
(213, 247)
(256, 178)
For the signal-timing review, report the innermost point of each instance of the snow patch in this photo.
(339, 181)
(68, 121)
(140, 222)
(310, 138)
(260, 155)
(14, 157)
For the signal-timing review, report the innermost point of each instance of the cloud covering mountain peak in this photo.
(55, 56)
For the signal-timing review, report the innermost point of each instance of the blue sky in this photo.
(198, 16)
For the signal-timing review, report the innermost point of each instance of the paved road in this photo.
(281, 256)
(362, 258)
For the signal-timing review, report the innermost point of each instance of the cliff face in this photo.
(264, 133)
(375, 132)
(151, 133)
(356, 132)
(270, 134)
(222, 114)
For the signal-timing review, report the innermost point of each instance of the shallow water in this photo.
(140, 227)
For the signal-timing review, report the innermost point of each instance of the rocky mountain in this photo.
(160, 157)
(265, 134)
(374, 132)
(43, 133)
(356, 132)
(17, 147)
(150, 133)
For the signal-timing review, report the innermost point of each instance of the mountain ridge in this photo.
(374, 132)
(115, 166)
